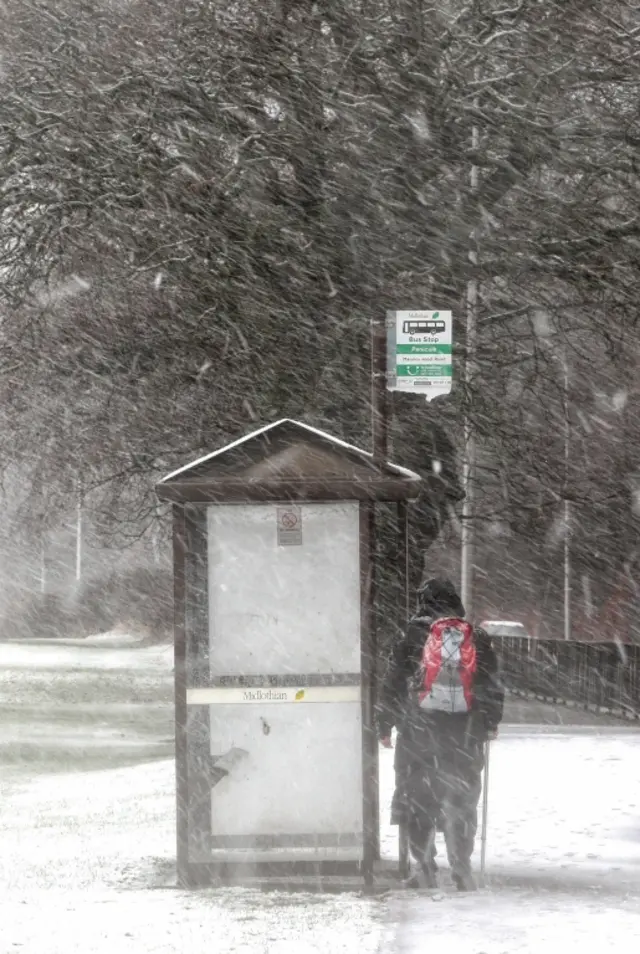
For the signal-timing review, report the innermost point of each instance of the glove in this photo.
(386, 743)
(492, 735)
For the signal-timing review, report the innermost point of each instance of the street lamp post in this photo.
(567, 504)
(469, 465)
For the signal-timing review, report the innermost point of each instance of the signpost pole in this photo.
(380, 442)
(404, 864)
(379, 396)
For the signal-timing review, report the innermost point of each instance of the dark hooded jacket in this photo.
(437, 599)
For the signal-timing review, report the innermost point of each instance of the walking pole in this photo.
(485, 807)
(403, 851)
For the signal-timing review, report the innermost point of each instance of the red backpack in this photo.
(449, 662)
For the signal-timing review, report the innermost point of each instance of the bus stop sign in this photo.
(419, 352)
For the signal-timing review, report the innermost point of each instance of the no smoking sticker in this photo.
(289, 525)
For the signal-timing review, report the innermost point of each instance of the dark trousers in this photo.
(439, 781)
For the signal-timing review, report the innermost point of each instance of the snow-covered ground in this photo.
(87, 833)
(83, 704)
(563, 853)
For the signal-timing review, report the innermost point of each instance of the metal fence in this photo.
(599, 676)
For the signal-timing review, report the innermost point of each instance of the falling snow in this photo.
(205, 207)
(88, 829)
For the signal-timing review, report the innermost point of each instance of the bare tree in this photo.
(204, 203)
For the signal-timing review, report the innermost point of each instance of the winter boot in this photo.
(463, 879)
(425, 877)
(429, 876)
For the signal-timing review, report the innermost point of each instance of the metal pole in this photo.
(567, 505)
(485, 810)
(404, 866)
(380, 442)
(79, 537)
(379, 394)
(469, 466)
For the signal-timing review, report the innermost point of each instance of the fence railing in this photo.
(598, 676)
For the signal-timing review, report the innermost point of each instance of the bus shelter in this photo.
(275, 655)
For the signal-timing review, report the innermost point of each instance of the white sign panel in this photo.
(256, 589)
(419, 349)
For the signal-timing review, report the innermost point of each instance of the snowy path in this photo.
(87, 855)
(563, 859)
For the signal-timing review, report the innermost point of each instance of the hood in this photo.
(438, 597)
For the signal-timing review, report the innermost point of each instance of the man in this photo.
(439, 754)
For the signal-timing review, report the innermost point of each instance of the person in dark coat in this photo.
(439, 756)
